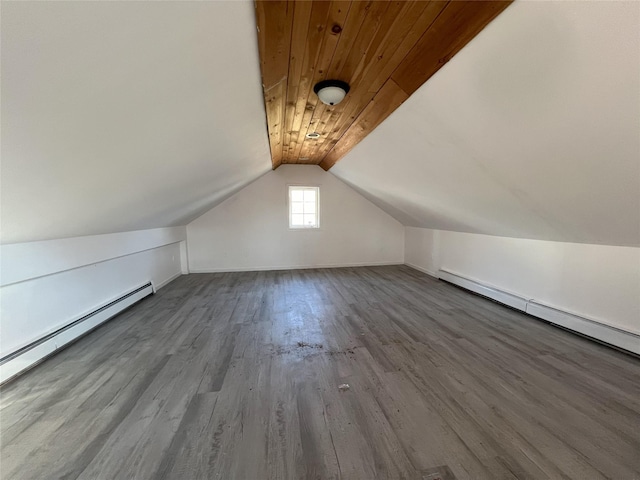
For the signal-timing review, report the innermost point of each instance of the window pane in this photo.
(303, 207)
(309, 195)
(310, 207)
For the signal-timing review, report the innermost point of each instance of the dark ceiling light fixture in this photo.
(331, 92)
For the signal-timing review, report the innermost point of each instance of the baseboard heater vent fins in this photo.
(28, 356)
(619, 338)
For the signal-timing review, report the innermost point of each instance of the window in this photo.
(304, 207)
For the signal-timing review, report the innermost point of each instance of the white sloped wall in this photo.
(531, 131)
(122, 116)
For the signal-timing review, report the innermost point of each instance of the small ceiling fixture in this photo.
(331, 92)
(313, 135)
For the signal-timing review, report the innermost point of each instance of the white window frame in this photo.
(316, 189)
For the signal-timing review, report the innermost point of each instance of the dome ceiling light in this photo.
(331, 92)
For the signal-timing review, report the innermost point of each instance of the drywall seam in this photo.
(87, 265)
(29, 261)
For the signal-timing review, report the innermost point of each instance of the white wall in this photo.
(598, 282)
(531, 131)
(45, 285)
(250, 230)
(122, 116)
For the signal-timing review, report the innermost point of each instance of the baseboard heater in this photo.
(619, 338)
(28, 356)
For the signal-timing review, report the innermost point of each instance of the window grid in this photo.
(304, 207)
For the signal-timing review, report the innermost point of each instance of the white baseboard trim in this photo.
(494, 293)
(166, 282)
(421, 269)
(27, 357)
(289, 267)
(615, 336)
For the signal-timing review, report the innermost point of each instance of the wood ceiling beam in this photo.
(384, 50)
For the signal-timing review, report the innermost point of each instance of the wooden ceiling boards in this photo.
(384, 50)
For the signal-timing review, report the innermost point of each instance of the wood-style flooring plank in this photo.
(237, 375)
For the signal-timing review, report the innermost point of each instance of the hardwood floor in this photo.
(237, 375)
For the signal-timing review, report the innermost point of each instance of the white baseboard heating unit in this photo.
(28, 356)
(599, 331)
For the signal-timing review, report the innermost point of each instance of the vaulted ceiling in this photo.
(384, 50)
(129, 115)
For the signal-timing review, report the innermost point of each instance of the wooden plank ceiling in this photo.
(384, 50)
